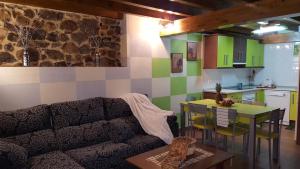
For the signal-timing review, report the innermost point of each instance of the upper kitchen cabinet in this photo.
(239, 51)
(254, 54)
(218, 52)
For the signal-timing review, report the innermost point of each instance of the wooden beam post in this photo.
(234, 15)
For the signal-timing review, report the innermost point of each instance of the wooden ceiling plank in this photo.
(197, 4)
(235, 15)
(165, 5)
(69, 6)
(125, 8)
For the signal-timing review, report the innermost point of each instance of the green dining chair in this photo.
(229, 130)
(267, 133)
(200, 120)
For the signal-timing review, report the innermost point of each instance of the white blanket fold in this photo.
(152, 119)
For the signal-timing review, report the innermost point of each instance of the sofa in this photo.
(95, 133)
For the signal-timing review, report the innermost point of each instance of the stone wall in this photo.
(58, 38)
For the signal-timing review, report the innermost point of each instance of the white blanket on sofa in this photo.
(152, 119)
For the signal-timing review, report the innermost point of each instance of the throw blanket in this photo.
(152, 119)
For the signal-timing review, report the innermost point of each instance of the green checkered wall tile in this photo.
(178, 85)
(161, 67)
(162, 102)
(179, 46)
(194, 37)
(194, 68)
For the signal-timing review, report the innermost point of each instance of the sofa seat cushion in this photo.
(74, 113)
(35, 143)
(116, 108)
(143, 143)
(12, 156)
(101, 156)
(24, 121)
(83, 135)
(53, 160)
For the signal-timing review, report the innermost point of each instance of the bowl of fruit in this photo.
(227, 102)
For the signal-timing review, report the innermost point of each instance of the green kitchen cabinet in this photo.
(237, 97)
(218, 51)
(254, 54)
(225, 52)
(260, 96)
(294, 105)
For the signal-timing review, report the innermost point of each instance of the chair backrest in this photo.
(198, 109)
(272, 116)
(224, 116)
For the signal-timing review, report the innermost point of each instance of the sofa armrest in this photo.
(12, 156)
(172, 121)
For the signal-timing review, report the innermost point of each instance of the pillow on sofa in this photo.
(119, 131)
(12, 155)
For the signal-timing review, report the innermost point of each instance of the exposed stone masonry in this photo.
(58, 38)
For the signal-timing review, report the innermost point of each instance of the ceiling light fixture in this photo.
(262, 22)
(269, 29)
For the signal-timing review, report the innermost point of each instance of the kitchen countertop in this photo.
(230, 91)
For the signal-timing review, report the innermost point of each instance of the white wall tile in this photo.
(117, 88)
(140, 68)
(161, 87)
(57, 92)
(89, 73)
(175, 102)
(194, 84)
(19, 75)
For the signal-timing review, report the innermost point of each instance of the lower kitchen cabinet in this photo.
(293, 106)
(260, 96)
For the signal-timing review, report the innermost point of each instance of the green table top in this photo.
(244, 110)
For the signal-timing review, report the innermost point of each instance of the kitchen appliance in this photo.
(279, 99)
(267, 83)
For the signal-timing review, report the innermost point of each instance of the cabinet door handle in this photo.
(252, 60)
(293, 99)
(224, 61)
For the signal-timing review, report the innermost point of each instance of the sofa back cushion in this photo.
(83, 135)
(24, 121)
(35, 143)
(115, 108)
(120, 131)
(74, 113)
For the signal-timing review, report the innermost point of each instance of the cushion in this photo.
(83, 135)
(77, 112)
(53, 160)
(134, 124)
(12, 156)
(119, 131)
(24, 121)
(101, 156)
(35, 143)
(143, 143)
(115, 108)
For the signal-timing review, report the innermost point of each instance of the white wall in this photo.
(280, 65)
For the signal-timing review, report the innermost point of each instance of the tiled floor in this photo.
(290, 154)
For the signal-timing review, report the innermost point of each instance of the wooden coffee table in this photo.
(216, 160)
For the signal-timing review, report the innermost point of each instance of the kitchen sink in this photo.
(243, 88)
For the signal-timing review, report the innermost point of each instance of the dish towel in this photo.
(222, 117)
(152, 119)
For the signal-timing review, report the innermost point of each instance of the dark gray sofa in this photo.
(96, 133)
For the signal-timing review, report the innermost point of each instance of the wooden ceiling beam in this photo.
(234, 15)
(69, 6)
(196, 3)
(164, 5)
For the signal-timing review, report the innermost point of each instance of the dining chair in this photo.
(269, 134)
(200, 120)
(225, 125)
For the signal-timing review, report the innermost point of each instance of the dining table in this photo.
(248, 111)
